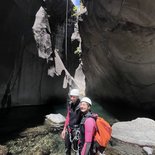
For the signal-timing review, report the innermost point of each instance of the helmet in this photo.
(87, 100)
(74, 92)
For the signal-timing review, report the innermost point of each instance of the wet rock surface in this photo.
(38, 140)
(122, 148)
(43, 140)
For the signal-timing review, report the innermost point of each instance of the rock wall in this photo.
(118, 40)
(24, 76)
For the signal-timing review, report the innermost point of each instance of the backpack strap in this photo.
(89, 114)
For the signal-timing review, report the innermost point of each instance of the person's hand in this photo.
(63, 134)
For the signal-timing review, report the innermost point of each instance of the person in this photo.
(87, 128)
(73, 119)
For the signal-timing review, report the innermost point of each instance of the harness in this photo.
(74, 136)
(73, 130)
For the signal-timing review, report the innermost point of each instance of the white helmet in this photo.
(74, 92)
(87, 100)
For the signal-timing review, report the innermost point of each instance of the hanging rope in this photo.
(66, 30)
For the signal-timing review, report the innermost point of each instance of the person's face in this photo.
(73, 99)
(84, 107)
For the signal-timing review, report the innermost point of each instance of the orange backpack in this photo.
(103, 133)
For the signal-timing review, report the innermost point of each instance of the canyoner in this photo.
(95, 132)
(73, 119)
(101, 137)
(102, 134)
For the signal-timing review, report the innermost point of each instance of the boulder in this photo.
(140, 131)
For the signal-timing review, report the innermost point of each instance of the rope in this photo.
(66, 30)
(74, 138)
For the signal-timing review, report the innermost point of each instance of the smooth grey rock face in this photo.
(139, 12)
(140, 131)
(118, 41)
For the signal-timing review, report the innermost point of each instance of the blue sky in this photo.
(76, 2)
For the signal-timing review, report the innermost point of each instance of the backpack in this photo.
(103, 133)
